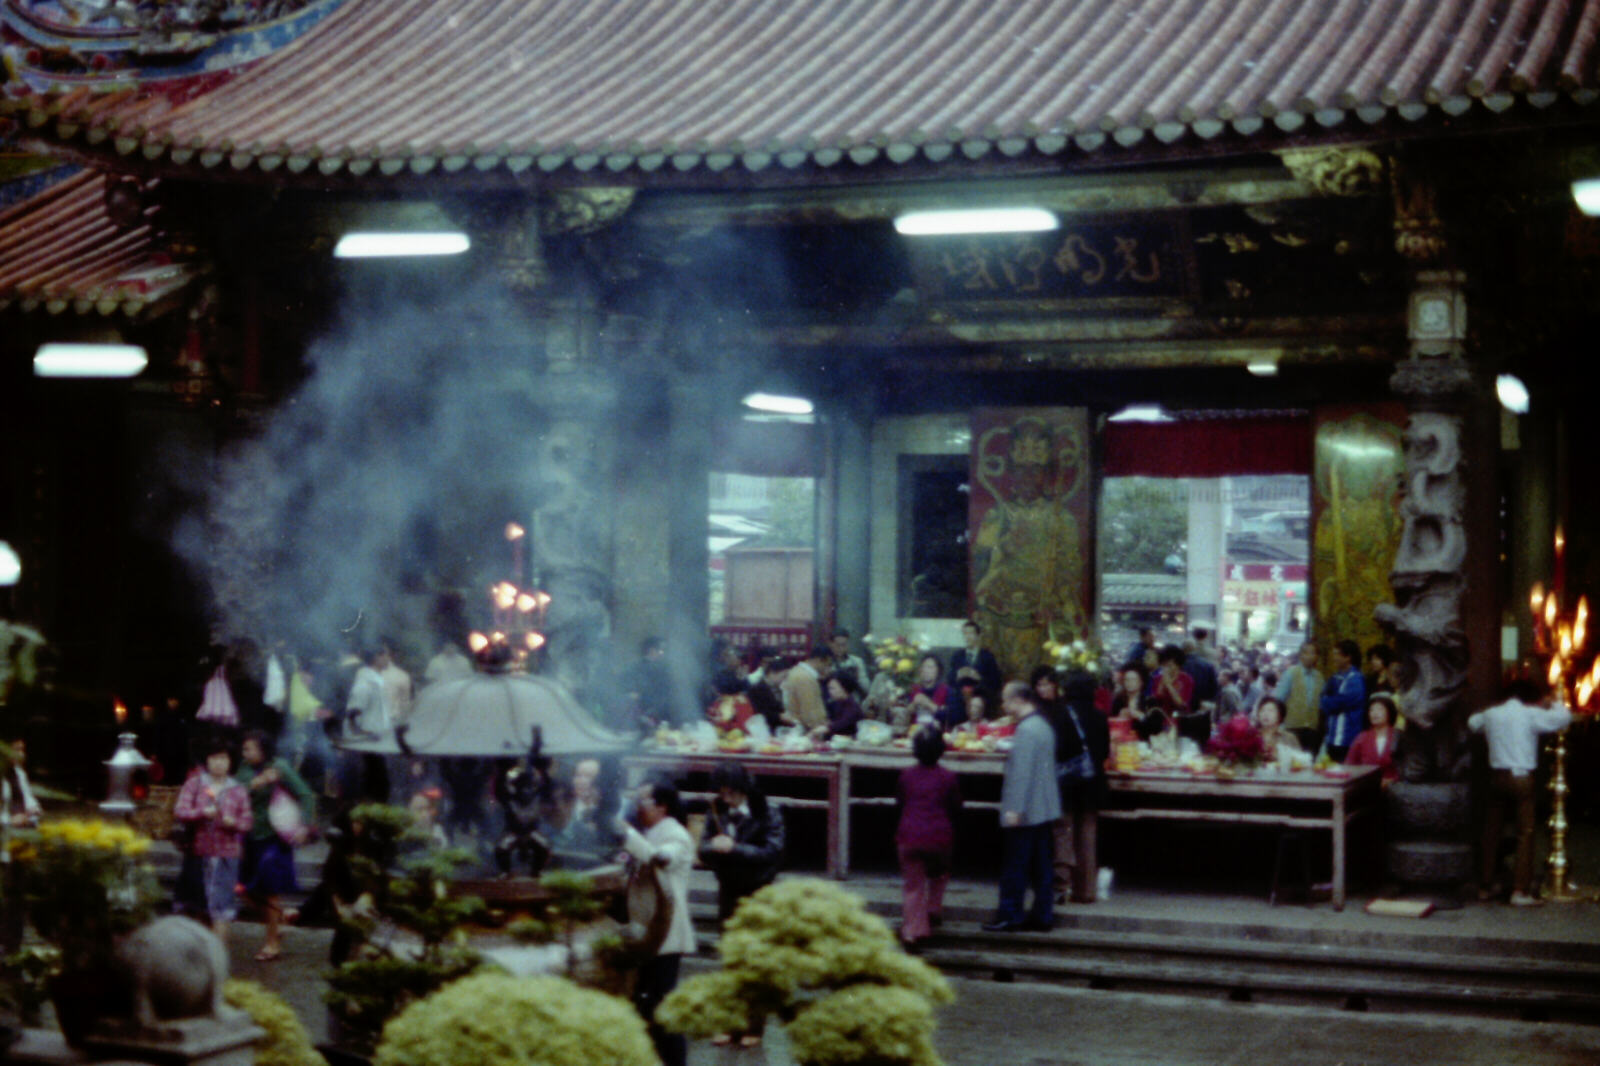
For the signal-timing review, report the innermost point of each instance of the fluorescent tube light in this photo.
(1587, 193)
(1142, 412)
(1263, 368)
(391, 245)
(778, 405)
(975, 220)
(89, 360)
(1512, 392)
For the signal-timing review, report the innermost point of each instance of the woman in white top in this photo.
(666, 845)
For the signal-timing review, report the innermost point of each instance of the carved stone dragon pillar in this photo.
(1429, 576)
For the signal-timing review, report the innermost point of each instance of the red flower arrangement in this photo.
(1237, 741)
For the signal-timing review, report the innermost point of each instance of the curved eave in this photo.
(60, 253)
(658, 91)
(1200, 136)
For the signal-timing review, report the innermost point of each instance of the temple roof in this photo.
(60, 250)
(633, 88)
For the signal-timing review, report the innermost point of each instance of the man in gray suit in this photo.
(1030, 803)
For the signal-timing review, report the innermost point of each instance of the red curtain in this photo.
(1210, 447)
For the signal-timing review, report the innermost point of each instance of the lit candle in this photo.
(120, 711)
(515, 534)
(1558, 581)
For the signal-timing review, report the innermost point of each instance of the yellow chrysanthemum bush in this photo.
(791, 949)
(287, 1043)
(493, 1019)
(87, 881)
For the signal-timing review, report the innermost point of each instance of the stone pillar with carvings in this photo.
(1429, 578)
(1428, 839)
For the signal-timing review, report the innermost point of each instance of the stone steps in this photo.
(1285, 959)
(1480, 977)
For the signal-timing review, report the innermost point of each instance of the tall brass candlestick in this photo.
(1557, 887)
(1564, 640)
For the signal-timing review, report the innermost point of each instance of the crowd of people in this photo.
(255, 756)
(263, 772)
(1058, 726)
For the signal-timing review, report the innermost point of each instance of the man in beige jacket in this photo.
(802, 689)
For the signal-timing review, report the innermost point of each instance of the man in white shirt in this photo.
(1513, 729)
(664, 844)
(367, 709)
(396, 686)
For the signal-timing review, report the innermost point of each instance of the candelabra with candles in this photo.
(1562, 638)
(516, 635)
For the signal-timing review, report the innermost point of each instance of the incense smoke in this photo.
(413, 436)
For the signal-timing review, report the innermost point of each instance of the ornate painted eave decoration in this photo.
(86, 245)
(53, 47)
(652, 91)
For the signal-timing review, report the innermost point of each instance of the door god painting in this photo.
(1029, 510)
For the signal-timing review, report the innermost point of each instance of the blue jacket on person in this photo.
(1344, 698)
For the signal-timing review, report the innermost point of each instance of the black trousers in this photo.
(658, 977)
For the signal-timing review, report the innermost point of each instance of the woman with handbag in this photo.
(1083, 744)
(282, 806)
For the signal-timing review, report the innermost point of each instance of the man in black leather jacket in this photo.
(743, 839)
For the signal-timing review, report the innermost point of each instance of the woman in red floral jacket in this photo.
(218, 808)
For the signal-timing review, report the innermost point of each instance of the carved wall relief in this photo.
(1335, 171)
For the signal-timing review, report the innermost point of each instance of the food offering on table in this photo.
(1293, 761)
(964, 742)
(734, 740)
(1182, 755)
(701, 736)
(872, 734)
(731, 713)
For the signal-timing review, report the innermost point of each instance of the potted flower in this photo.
(1074, 655)
(897, 656)
(88, 882)
(808, 952)
(1236, 745)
